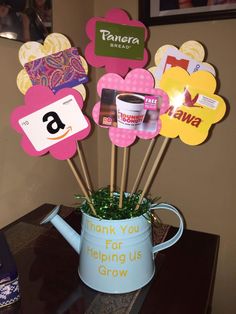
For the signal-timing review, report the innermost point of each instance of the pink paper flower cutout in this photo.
(136, 81)
(38, 97)
(120, 66)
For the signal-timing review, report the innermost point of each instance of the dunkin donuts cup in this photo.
(130, 111)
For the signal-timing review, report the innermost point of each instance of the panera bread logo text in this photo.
(119, 41)
(108, 36)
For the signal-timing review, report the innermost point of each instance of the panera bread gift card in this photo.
(120, 41)
(116, 42)
(129, 110)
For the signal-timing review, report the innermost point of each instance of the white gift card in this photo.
(173, 57)
(54, 123)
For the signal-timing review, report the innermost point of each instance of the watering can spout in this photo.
(71, 236)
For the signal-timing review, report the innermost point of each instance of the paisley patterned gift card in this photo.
(58, 70)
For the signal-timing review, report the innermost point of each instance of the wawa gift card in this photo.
(194, 106)
(130, 107)
(117, 42)
(54, 64)
(189, 56)
(51, 123)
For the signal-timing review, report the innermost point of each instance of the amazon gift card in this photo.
(53, 123)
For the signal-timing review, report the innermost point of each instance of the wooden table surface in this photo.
(49, 282)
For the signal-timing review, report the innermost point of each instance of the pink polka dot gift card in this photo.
(129, 107)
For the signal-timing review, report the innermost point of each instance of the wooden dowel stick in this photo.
(112, 176)
(81, 185)
(153, 170)
(143, 165)
(84, 168)
(123, 176)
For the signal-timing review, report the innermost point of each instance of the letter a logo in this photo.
(55, 124)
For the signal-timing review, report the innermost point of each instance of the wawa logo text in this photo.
(183, 116)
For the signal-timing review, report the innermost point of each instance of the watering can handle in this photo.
(176, 237)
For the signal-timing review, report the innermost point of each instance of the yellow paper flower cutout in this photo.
(23, 81)
(161, 52)
(32, 50)
(193, 105)
(193, 49)
(190, 49)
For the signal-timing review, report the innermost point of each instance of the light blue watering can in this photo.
(116, 256)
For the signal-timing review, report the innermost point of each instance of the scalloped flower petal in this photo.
(138, 81)
(112, 64)
(194, 106)
(36, 98)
